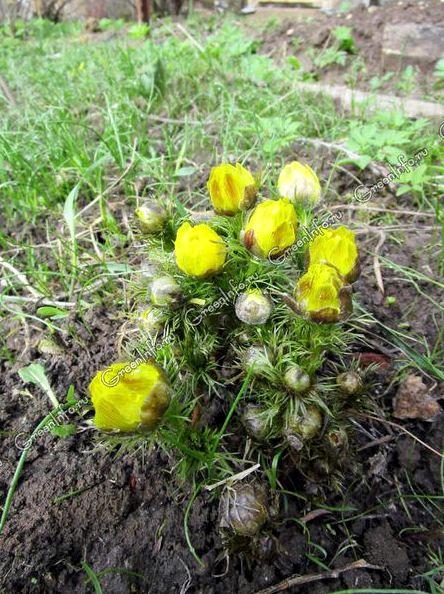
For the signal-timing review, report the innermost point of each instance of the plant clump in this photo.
(238, 318)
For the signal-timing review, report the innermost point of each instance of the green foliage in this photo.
(49, 311)
(414, 180)
(376, 82)
(64, 431)
(35, 374)
(111, 24)
(439, 73)
(138, 31)
(344, 37)
(333, 54)
(328, 56)
(397, 141)
(408, 81)
(384, 138)
(376, 141)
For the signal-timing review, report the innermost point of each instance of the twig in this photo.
(20, 277)
(7, 91)
(406, 431)
(374, 167)
(376, 442)
(413, 213)
(298, 580)
(36, 299)
(313, 515)
(164, 120)
(190, 37)
(235, 477)
(374, 229)
(377, 265)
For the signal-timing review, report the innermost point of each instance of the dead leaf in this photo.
(366, 359)
(378, 464)
(413, 400)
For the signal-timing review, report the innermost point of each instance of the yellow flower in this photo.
(338, 248)
(129, 396)
(321, 294)
(199, 250)
(271, 228)
(232, 188)
(299, 183)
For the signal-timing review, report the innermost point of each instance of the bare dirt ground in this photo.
(294, 35)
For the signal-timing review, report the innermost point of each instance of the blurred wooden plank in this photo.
(309, 3)
(143, 8)
(355, 101)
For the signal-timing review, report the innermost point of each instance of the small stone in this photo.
(413, 401)
(48, 346)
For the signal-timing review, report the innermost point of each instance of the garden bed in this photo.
(82, 512)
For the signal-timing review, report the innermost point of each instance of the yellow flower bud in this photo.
(321, 294)
(299, 183)
(165, 292)
(151, 216)
(152, 320)
(253, 307)
(199, 250)
(232, 188)
(129, 396)
(271, 228)
(338, 248)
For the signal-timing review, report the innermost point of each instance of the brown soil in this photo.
(367, 25)
(128, 512)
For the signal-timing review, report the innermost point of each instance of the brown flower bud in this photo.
(255, 422)
(243, 510)
(350, 382)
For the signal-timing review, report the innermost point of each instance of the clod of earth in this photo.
(413, 401)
